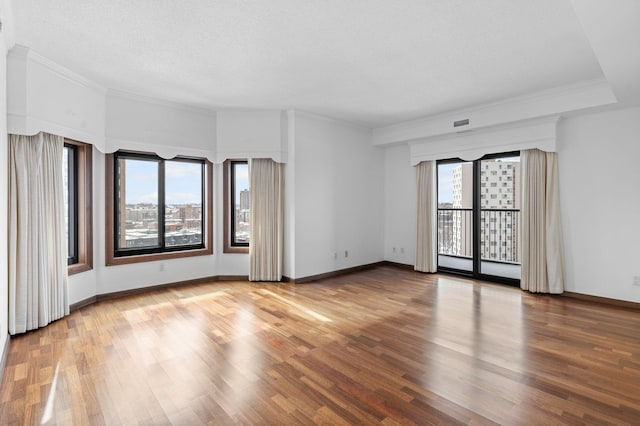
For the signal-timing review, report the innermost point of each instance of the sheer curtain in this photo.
(266, 185)
(542, 252)
(37, 242)
(426, 251)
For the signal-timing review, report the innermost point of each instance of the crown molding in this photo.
(338, 121)
(26, 54)
(578, 96)
(540, 133)
(116, 93)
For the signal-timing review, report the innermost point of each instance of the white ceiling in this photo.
(373, 62)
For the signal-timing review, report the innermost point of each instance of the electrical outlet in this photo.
(402, 250)
(335, 255)
(394, 249)
(162, 267)
(346, 253)
(636, 280)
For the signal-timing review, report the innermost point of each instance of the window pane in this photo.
(65, 180)
(67, 211)
(69, 180)
(455, 185)
(455, 217)
(137, 203)
(183, 203)
(500, 217)
(241, 204)
(501, 183)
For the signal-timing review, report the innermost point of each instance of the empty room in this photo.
(344, 212)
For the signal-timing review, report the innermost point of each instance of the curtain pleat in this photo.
(38, 291)
(266, 186)
(542, 251)
(426, 253)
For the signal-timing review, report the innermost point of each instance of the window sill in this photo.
(78, 268)
(235, 249)
(126, 260)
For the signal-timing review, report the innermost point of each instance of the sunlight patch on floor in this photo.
(297, 306)
(48, 409)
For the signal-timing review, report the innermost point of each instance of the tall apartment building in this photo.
(245, 207)
(463, 220)
(243, 216)
(499, 204)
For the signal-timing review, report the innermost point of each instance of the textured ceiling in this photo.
(373, 62)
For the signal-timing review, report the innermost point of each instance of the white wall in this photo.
(251, 134)
(43, 96)
(289, 249)
(338, 196)
(84, 285)
(598, 160)
(4, 199)
(399, 206)
(134, 122)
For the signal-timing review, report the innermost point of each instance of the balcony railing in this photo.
(455, 232)
(499, 234)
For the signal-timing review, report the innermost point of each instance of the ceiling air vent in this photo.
(460, 123)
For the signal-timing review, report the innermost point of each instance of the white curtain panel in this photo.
(542, 251)
(426, 250)
(266, 186)
(38, 291)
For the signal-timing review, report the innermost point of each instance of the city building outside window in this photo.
(237, 206)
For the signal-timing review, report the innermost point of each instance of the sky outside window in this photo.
(141, 181)
(183, 182)
(445, 182)
(242, 179)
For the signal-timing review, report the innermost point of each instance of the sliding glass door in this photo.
(479, 217)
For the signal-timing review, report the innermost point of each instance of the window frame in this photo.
(230, 245)
(72, 201)
(83, 209)
(122, 257)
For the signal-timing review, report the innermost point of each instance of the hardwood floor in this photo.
(385, 346)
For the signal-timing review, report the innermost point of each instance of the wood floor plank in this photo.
(383, 346)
